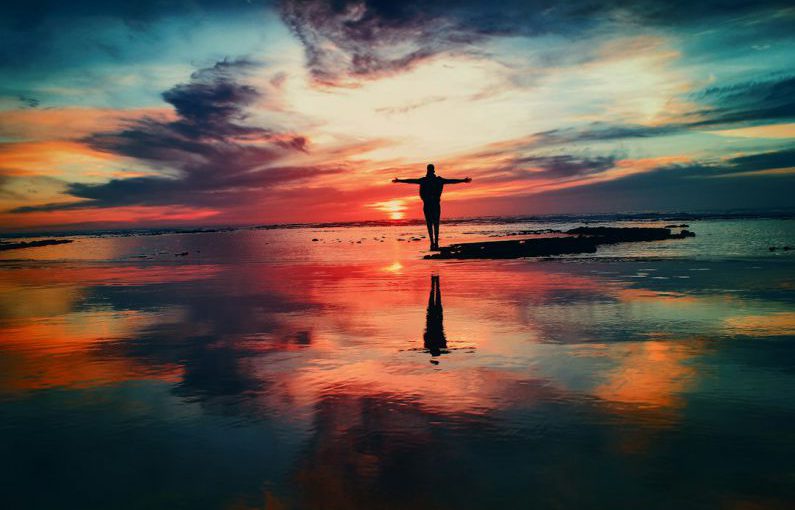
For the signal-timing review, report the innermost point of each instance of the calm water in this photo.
(267, 370)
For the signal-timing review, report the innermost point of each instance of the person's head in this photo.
(431, 169)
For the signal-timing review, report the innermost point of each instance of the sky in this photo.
(209, 112)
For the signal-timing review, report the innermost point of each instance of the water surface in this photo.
(263, 369)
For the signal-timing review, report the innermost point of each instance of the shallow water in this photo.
(264, 369)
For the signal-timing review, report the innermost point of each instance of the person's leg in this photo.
(436, 220)
(428, 222)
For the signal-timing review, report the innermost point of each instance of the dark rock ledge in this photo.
(579, 240)
(4, 245)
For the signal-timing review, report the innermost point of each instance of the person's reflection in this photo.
(435, 341)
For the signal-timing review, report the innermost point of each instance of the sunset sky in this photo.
(150, 113)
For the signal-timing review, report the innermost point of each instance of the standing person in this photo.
(431, 187)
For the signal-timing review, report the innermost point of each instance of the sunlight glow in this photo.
(395, 209)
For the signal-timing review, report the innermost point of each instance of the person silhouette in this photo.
(434, 338)
(431, 187)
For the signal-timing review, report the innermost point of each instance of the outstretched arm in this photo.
(456, 181)
(406, 181)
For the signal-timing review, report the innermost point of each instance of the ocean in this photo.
(312, 366)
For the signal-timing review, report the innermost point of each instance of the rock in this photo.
(31, 244)
(581, 240)
(772, 248)
(517, 248)
(610, 235)
(314, 240)
(182, 254)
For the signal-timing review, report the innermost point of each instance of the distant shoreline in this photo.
(559, 218)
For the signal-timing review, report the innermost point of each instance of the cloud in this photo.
(208, 156)
(751, 101)
(601, 131)
(680, 187)
(363, 39)
(349, 40)
(745, 103)
(561, 167)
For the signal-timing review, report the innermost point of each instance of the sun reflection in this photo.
(395, 267)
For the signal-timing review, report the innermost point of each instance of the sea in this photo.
(331, 366)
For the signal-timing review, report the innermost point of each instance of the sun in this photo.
(395, 209)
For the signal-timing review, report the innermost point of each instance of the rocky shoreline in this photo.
(577, 240)
(4, 245)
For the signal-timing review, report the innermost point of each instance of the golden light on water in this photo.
(395, 267)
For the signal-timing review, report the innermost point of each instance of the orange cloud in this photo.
(116, 215)
(69, 123)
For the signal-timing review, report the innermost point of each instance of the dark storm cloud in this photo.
(342, 38)
(566, 165)
(369, 38)
(764, 161)
(699, 186)
(729, 167)
(753, 101)
(217, 160)
(561, 166)
(375, 37)
(599, 131)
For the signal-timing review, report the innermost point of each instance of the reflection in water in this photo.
(227, 385)
(435, 341)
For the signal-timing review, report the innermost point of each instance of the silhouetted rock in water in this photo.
(610, 235)
(683, 225)
(772, 248)
(181, 254)
(586, 241)
(31, 244)
(315, 240)
(517, 248)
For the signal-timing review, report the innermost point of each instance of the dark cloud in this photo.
(356, 39)
(753, 101)
(29, 102)
(566, 165)
(763, 161)
(600, 131)
(561, 166)
(708, 185)
(363, 39)
(216, 159)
